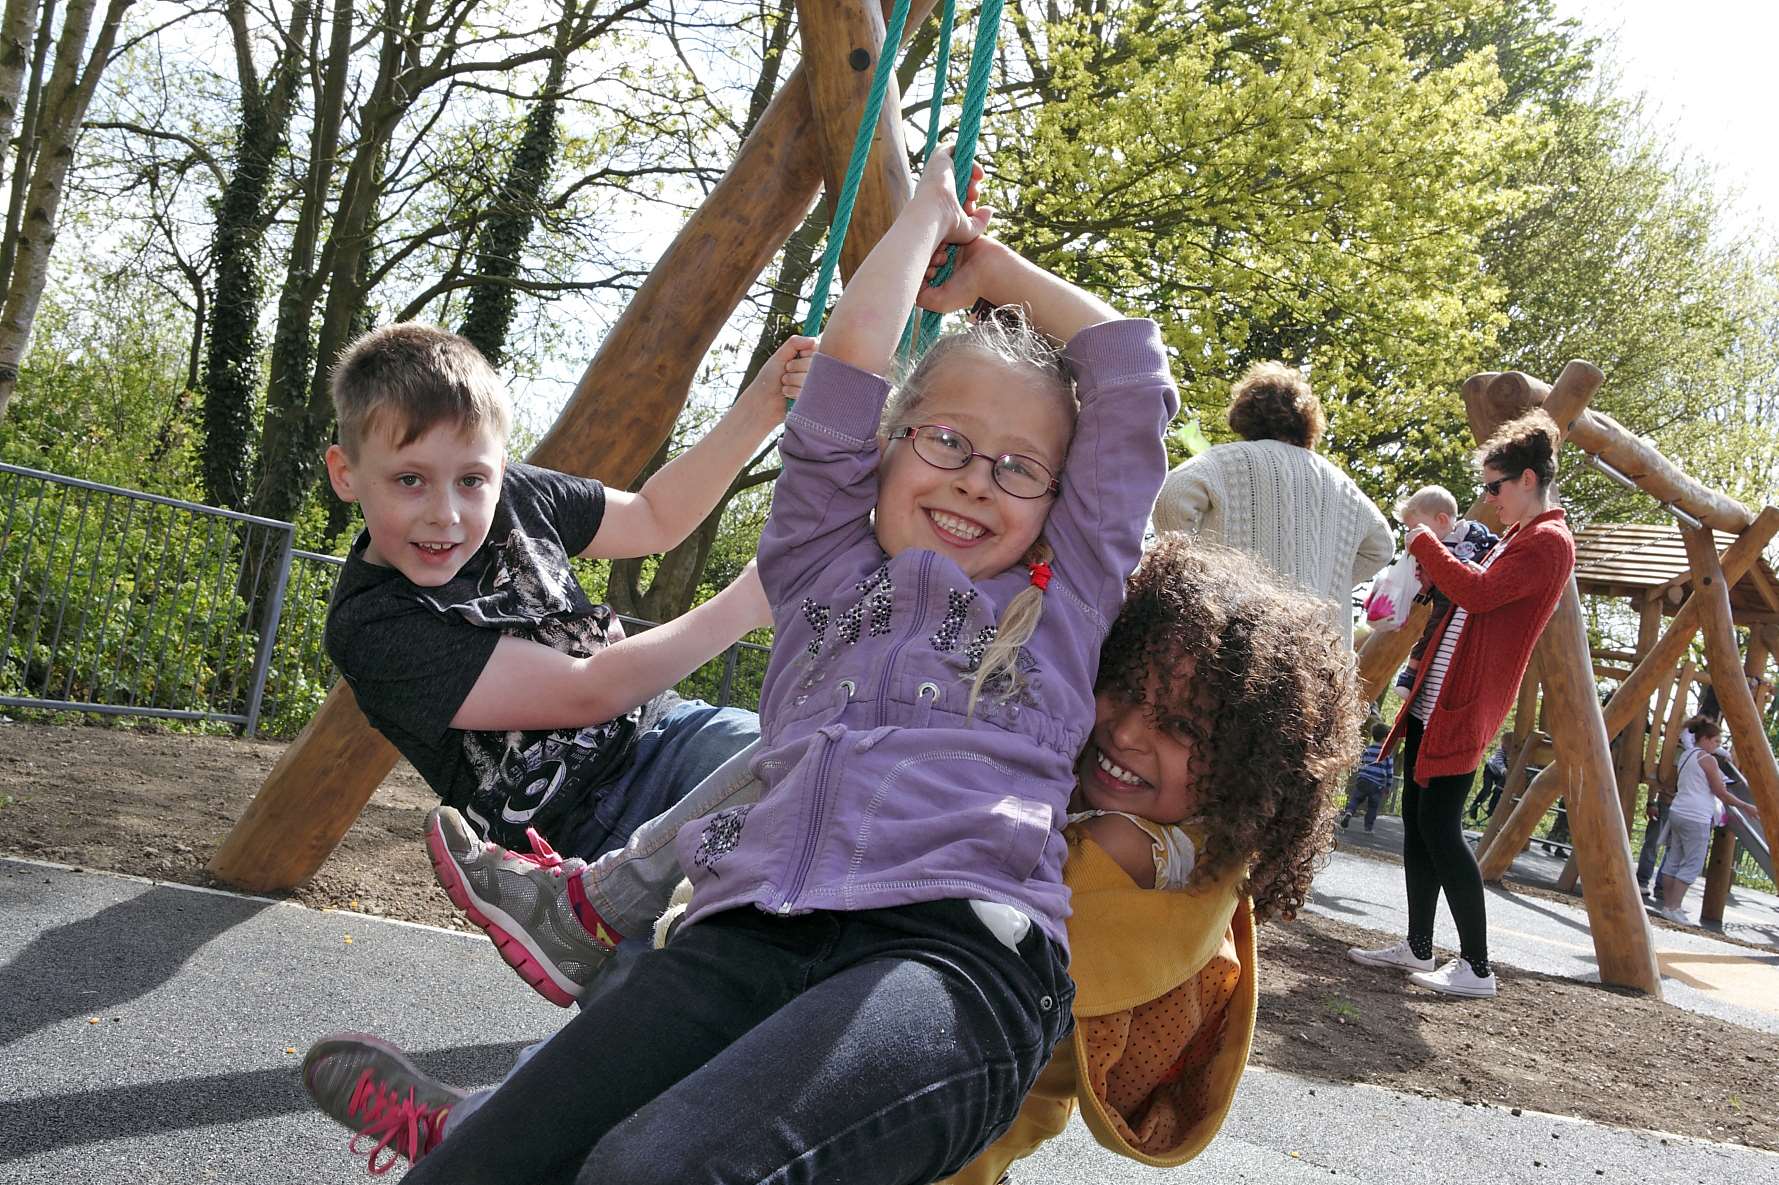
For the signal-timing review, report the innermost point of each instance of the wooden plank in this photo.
(1720, 871)
(624, 406)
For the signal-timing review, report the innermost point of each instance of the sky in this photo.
(1707, 66)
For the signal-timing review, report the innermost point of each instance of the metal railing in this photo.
(134, 604)
(124, 603)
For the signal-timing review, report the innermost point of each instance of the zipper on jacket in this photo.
(920, 615)
(812, 835)
(818, 800)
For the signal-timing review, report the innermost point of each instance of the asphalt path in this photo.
(1700, 971)
(152, 1034)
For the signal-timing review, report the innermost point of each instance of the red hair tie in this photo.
(1041, 575)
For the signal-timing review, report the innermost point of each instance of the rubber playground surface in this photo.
(151, 1033)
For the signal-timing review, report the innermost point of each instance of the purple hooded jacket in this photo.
(879, 790)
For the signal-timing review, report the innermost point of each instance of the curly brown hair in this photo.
(1271, 702)
(1529, 442)
(1273, 401)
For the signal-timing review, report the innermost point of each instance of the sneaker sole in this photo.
(510, 938)
(1363, 960)
(318, 1053)
(1446, 989)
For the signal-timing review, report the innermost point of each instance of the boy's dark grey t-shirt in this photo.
(412, 655)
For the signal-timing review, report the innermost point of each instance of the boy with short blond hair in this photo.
(1435, 508)
(462, 630)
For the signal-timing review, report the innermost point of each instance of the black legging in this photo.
(1435, 856)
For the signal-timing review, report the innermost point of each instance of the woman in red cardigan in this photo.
(1462, 692)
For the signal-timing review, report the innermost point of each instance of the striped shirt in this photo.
(1441, 660)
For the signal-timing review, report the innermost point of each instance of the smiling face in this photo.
(1139, 762)
(962, 513)
(428, 503)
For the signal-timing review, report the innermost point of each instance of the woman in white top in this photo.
(1271, 496)
(1698, 780)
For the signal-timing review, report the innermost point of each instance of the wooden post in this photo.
(1603, 852)
(1678, 713)
(1720, 871)
(1383, 652)
(1754, 755)
(625, 404)
(1652, 744)
(841, 44)
(1630, 754)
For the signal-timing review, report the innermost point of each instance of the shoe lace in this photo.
(543, 855)
(401, 1125)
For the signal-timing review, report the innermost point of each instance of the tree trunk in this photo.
(70, 90)
(293, 340)
(501, 239)
(17, 28)
(231, 362)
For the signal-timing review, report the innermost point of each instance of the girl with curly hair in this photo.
(1226, 717)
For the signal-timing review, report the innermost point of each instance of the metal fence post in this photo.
(262, 661)
(728, 682)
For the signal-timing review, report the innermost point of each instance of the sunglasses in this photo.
(947, 448)
(1493, 488)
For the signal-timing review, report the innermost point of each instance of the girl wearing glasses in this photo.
(1478, 655)
(873, 968)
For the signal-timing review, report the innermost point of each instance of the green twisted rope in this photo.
(969, 125)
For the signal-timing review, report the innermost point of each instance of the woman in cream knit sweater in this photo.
(1270, 495)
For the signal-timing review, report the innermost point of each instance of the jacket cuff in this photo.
(841, 398)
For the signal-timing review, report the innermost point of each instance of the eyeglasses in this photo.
(947, 448)
(1493, 488)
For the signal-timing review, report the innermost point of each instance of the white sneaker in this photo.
(1456, 979)
(1398, 956)
(1675, 914)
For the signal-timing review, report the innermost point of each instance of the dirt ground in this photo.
(156, 804)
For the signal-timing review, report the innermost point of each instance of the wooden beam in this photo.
(1383, 652)
(1603, 852)
(1754, 755)
(841, 45)
(1602, 436)
(624, 406)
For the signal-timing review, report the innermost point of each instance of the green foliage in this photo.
(102, 392)
(1295, 182)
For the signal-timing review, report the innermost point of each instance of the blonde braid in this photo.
(1019, 621)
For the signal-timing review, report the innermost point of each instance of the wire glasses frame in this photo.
(943, 447)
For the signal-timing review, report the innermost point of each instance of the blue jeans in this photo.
(883, 1047)
(685, 745)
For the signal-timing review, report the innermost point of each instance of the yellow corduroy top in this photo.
(1164, 1018)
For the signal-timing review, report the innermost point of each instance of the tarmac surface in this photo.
(152, 1034)
(1700, 971)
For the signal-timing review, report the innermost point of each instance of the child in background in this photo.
(1227, 714)
(1371, 781)
(1435, 508)
(872, 971)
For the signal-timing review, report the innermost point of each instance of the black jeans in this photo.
(881, 1046)
(1435, 855)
